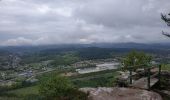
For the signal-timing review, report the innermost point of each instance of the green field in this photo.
(97, 79)
(27, 93)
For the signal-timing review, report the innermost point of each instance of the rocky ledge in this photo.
(117, 93)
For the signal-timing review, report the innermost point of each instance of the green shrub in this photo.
(136, 59)
(59, 88)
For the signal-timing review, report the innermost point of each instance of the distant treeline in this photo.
(80, 53)
(86, 53)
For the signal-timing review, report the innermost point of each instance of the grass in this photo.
(101, 79)
(27, 93)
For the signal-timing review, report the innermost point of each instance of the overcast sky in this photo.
(37, 22)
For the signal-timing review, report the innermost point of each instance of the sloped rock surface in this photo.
(120, 94)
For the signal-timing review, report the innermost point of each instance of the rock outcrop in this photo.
(117, 93)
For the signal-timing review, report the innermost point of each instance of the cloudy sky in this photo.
(37, 22)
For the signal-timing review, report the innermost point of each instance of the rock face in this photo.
(120, 94)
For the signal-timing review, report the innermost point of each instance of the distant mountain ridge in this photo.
(77, 46)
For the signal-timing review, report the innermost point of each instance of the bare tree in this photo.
(166, 19)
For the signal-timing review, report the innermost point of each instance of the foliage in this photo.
(60, 88)
(112, 82)
(94, 82)
(66, 59)
(167, 21)
(165, 67)
(95, 53)
(136, 59)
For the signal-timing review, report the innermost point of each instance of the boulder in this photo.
(116, 93)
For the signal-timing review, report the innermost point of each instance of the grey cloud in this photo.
(34, 22)
(122, 13)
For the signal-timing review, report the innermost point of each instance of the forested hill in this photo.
(84, 48)
(84, 51)
(76, 46)
(33, 54)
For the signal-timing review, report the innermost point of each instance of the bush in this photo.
(59, 88)
(136, 60)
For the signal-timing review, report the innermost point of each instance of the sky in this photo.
(42, 22)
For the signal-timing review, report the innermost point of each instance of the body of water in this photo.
(100, 67)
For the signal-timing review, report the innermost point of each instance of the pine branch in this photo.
(166, 19)
(166, 34)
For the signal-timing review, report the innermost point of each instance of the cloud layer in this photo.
(37, 22)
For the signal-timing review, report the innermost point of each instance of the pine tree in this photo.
(166, 19)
